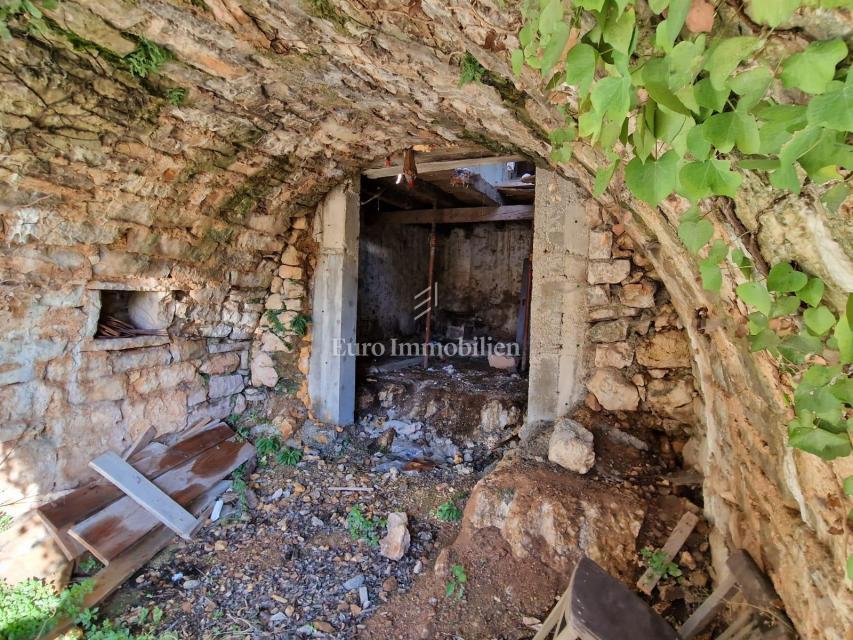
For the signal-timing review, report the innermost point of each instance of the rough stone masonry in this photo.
(200, 180)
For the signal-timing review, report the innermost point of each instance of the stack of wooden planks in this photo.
(159, 490)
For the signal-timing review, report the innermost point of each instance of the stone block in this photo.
(615, 354)
(274, 302)
(571, 446)
(612, 311)
(288, 272)
(263, 370)
(608, 331)
(83, 366)
(671, 398)
(640, 295)
(221, 363)
(293, 304)
(611, 272)
(146, 381)
(613, 391)
(599, 245)
(291, 256)
(665, 350)
(144, 358)
(598, 296)
(293, 289)
(220, 386)
(100, 390)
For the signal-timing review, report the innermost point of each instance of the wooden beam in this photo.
(429, 167)
(675, 541)
(461, 215)
(145, 493)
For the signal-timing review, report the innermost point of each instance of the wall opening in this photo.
(443, 299)
(128, 314)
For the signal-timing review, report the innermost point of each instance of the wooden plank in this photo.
(64, 512)
(121, 569)
(460, 215)
(111, 531)
(145, 493)
(140, 443)
(442, 165)
(675, 541)
(700, 618)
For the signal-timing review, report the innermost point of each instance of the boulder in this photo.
(571, 446)
(263, 370)
(613, 391)
(396, 542)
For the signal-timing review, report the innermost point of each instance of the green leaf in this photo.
(657, 6)
(580, 67)
(819, 442)
(743, 262)
(786, 178)
(850, 567)
(603, 177)
(718, 252)
(751, 86)
(757, 322)
(517, 60)
(785, 279)
(673, 128)
(5, 34)
(685, 62)
(772, 12)
(766, 339)
(668, 30)
(553, 52)
(697, 143)
(644, 138)
(812, 292)
(551, 16)
(654, 180)
(785, 306)
(618, 31)
(755, 294)
(709, 97)
(796, 348)
(708, 178)
(725, 57)
(812, 70)
(724, 130)
(844, 337)
(819, 319)
(590, 5)
(611, 96)
(833, 109)
(712, 277)
(848, 486)
(835, 197)
(694, 232)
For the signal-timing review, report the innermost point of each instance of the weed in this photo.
(5, 521)
(30, 608)
(176, 96)
(659, 564)
(456, 584)
(289, 387)
(470, 70)
(448, 512)
(289, 457)
(363, 528)
(216, 615)
(89, 565)
(275, 324)
(239, 486)
(147, 58)
(267, 447)
(299, 324)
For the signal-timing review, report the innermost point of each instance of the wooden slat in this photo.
(112, 530)
(443, 165)
(675, 541)
(460, 215)
(708, 609)
(145, 493)
(140, 443)
(63, 513)
(113, 576)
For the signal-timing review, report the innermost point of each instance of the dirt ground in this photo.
(284, 564)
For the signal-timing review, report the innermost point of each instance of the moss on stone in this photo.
(326, 10)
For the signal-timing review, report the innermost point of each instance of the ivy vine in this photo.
(693, 110)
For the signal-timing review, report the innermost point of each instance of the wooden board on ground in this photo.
(63, 513)
(115, 528)
(113, 576)
(675, 541)
(145, 493)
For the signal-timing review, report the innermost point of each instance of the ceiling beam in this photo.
(460, 215)
(442, 165)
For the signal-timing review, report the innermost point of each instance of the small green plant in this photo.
(659, 564)
(145, 614)
(5, 521)
(31, 607)
(448, 512)
(240, 486)
(456, 584)
(147, 58)
(275, 324)
(29, 10)
(470, 70)
(299, 324)
(363, 528)
(176, 96)
(266, 448)
(289, 457)
(89, 565)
